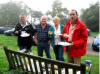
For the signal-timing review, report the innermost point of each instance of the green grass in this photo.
(94, 33)
(11, 42)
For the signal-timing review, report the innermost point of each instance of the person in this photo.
(25, 33)
(75, 33)
(55, 35)
(42, 40)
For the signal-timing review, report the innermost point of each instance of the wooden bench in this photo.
(39, 65)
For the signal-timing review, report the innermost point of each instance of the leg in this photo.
(40, 49)
(21, 47)
(28, 49)
(69, 58)
(47, 50)
(55, 48)
(60, 53)
(77, 60)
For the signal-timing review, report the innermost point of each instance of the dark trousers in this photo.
(59, 50)
(28, 49)
(43, 46)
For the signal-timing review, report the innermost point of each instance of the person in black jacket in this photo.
(25, 33)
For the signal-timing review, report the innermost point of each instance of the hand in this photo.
(16, 32)
(35, 40)
(60, 36)
(49, 42)
(66, 36)
(71, 44)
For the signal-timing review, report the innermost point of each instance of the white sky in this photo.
(44, 5)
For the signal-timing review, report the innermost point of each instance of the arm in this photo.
(64, 32)
(17, 30)
(35, 38)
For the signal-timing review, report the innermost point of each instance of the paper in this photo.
(25, 35)
(64, 43)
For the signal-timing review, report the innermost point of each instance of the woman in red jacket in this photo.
(75, 32)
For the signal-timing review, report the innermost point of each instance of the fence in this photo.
(39, 65)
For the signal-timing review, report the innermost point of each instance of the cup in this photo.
(88, 62)
(88, 65)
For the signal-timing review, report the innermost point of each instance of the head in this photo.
(56, 21)
(22, 17)
(43, 19)
(73, 16)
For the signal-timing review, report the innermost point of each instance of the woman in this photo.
(55, 35)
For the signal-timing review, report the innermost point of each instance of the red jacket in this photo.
(79, 38)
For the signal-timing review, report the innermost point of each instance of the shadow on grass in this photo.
(13, 72)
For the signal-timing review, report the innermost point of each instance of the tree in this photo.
(9, 13)
(90, 16)
(35, 16)
(58, 10)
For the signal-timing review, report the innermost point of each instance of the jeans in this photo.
(43, 46)
(59, 50)
(25, 47)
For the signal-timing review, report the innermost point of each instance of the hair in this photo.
(56, 18)
(75, 11)
(22, 14)
(44, 17)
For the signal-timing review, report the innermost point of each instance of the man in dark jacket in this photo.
(25, 33)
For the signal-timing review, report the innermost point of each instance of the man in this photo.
(42, 40)
(25, 33)
(75, 32)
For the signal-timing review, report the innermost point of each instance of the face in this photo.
(73, 16)
(22, 18)
(56, 22)
(44, 20)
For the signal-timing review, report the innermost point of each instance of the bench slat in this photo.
(52, 69)
(16, 59)
(21, 62)
(30, 65)
(13, 62)
(34, 61)
(41, 69)
(25, 62)
(46, 67)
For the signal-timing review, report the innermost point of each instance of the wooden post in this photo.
(11, 66)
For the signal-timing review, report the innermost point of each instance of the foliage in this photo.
(9, 13)
(90, 16)
(59, 11)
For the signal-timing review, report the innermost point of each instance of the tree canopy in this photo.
(90, 17)
(9, 13)
(59, 11)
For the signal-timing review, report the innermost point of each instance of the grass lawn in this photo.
(94, 34)
(11, 42)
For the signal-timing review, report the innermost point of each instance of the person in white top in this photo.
(55, 35)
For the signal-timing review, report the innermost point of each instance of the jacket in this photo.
(79, 38)
(51, 29)
(25, 41)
